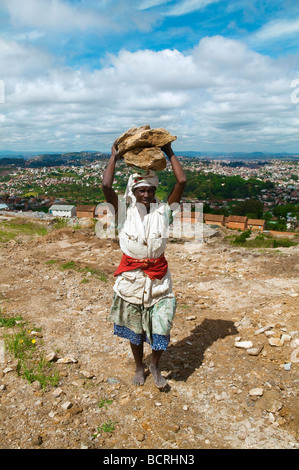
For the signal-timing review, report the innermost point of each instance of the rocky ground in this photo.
(232, 365)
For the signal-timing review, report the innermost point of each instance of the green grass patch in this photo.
(52, 261)
(108, 426)
(70, 265)
(27, 349)
(284, 242)
(31, 194)
(6, 236)
(262, 241)
(97, 273)
(60, 223)
(27, 228)
(241, 239)
(104, 402)
(9, 322)
(10, 229)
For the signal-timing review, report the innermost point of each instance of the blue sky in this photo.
(222, 75)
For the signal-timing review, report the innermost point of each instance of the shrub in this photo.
(243, 237)
(283, 242)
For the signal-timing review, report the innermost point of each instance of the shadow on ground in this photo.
(188, 354)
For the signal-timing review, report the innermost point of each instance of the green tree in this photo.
(281, 211)
(251, 208)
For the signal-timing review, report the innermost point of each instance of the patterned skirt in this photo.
(141, 324)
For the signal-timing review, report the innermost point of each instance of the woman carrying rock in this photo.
(143, 303)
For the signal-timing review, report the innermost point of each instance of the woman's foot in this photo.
(138, 378)
(158, 378)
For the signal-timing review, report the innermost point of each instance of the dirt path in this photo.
(219, 395)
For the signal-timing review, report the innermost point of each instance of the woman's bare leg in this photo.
(154, 368)
(137, 351)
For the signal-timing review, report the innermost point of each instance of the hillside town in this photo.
(36, 189)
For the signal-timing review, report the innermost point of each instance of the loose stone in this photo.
(295, 356)
(255, 351)
(51, 357)
(272, 406)
(113, 380)
(243, 344)
(37, 334)
(37, 440)
(57, 392)
(263, 329)
(278, 342)
(66, 360)
(87, 374)
(67, 405)
(286, 338)
(36, 385)
(256, 392)
(78, 383)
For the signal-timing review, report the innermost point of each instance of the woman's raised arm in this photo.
(178, 189)
(107, 181)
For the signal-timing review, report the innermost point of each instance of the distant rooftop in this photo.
(61, 207)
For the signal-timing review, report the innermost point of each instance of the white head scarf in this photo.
(146, 178)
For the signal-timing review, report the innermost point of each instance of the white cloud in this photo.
(277, 29)
(220, 95)
(167, 69)
(65, 16)
(145, 4)
(18, 60)
(55, 15)
(188, 6)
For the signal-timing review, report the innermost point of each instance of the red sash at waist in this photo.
(154, 268)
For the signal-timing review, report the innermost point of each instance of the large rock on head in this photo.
(143, 137)
(141, 147)
(129, 133)
(146, 158)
